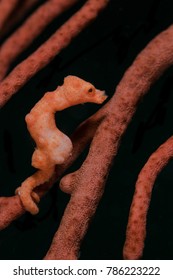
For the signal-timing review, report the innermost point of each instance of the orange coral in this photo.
(32, 27)
(105, 129)
(45, 53)
(6, 8)
(136, 228)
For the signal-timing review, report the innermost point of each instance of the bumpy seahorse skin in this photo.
(52, 146)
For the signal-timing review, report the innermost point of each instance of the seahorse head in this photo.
(79, 91)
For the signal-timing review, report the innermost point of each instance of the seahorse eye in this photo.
(90, 90)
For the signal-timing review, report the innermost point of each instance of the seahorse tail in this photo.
(28, 199)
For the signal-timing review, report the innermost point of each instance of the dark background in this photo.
(100, 54)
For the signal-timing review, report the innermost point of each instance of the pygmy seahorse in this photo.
(52, 146)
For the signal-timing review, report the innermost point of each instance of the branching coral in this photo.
(45, 53)
(136, 228)
(120, 110)
(18, 14)
(32, 27)
(103, 131)
(6, 8)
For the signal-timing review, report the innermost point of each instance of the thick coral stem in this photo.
(44, 54)
(136, 228)
(6, 7)
(86, 194)
(89, 185)
(18, 13)
(30, 29)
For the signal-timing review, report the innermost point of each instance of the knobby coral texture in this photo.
(111, 197)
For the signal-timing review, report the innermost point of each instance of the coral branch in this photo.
(136, 228)
(30, 29)
(87, 185)
(83, 135)
(44, 54)
(18, 14)
(6, 7)
(10, 209)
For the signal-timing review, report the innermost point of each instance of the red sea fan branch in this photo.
(87, 184)
(44, 54)
(136, 228)
(31, 28)
(6, 8)
(18, 14)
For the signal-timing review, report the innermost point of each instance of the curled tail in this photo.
(28, 197)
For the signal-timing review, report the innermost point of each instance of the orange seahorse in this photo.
(52, 146)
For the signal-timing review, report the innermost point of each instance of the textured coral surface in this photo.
(100, 54)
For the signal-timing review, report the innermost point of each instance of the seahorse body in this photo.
(52, 146)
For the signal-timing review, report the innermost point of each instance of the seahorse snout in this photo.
(100, 96)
